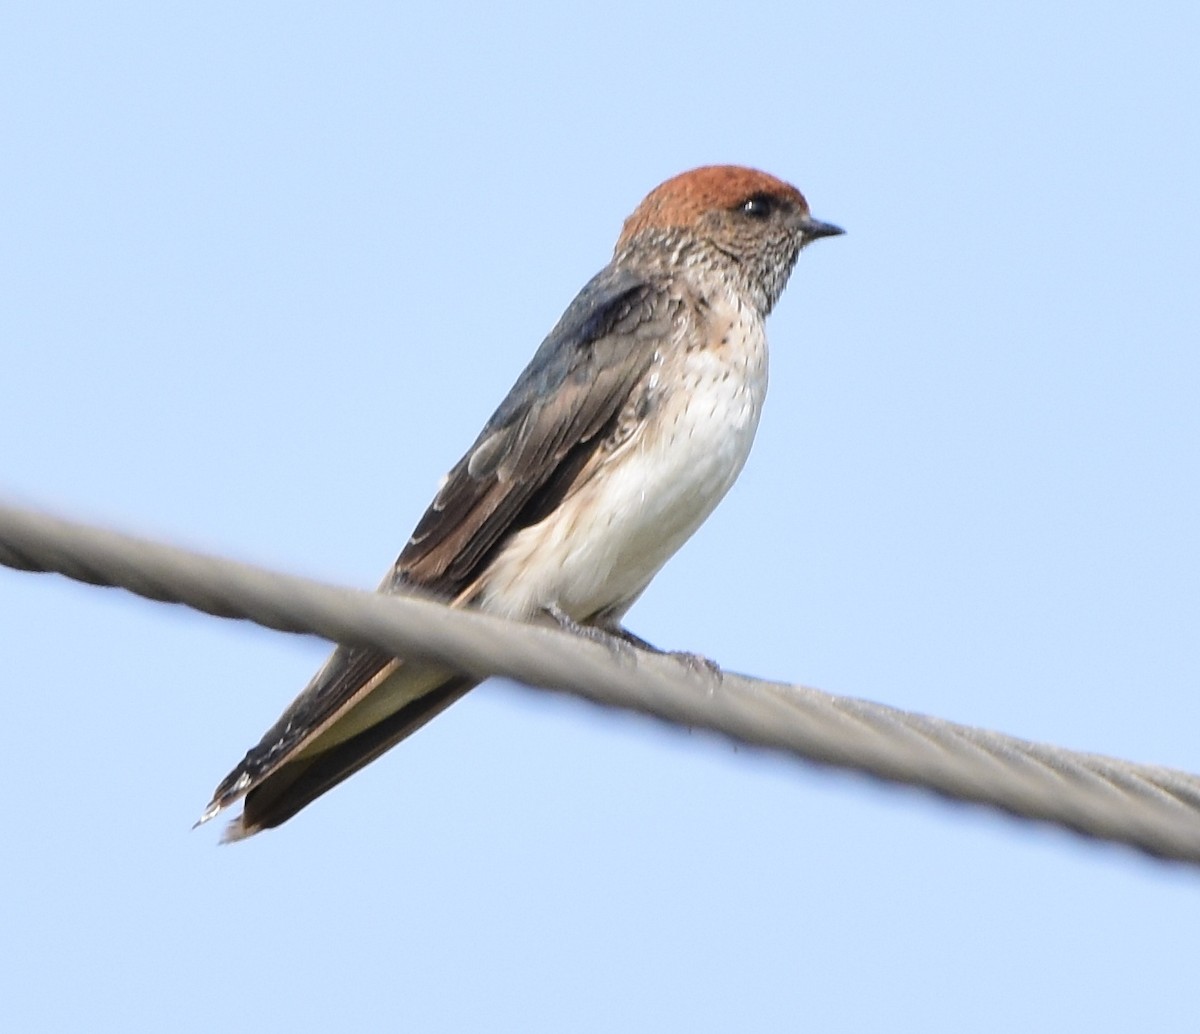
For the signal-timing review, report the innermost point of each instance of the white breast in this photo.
(604, 543)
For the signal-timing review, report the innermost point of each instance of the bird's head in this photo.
(740, 218)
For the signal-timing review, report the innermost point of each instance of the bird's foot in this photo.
(625, 643)
(695, 662)
(616, 643)
(698, 663)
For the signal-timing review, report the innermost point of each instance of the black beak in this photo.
(811, 229)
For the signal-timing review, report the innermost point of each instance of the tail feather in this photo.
(297, 783)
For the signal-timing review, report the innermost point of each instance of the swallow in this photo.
(628, 426)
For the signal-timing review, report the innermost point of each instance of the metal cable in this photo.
(1156, 810)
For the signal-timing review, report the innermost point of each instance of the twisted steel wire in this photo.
(1154, 809)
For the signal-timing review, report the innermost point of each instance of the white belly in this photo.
(604, 543)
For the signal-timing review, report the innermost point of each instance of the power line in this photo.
(1154, 809)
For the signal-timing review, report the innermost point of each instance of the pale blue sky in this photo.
(265, 269)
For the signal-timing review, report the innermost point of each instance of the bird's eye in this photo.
(758, 206)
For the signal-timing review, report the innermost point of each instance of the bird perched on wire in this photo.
(625, 430)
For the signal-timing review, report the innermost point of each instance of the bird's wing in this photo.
(412, 698)
(527, 455)
(363, 701)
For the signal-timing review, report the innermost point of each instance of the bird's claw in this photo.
(694, 662)
(698, 663)
(618, 645)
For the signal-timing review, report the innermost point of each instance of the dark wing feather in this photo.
(340, 683)
(523, 462)
(555, 414)
(299, 783)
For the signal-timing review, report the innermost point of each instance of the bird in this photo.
(630, 423)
